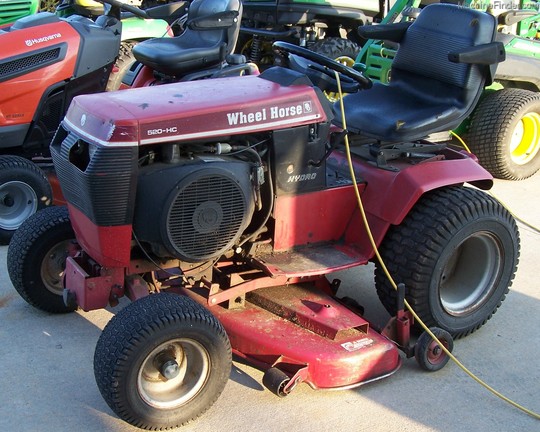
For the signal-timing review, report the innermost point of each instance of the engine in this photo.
(195, 209)
(182, 203)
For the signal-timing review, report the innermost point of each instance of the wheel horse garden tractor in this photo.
(50, 60)
(220, 207)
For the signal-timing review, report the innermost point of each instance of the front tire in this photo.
(505, 133)
(162, 361)
(36, 259)
(456, 252)
(24, 189)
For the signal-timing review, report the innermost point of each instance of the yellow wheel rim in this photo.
(525, 141)
(347, 61)
(48, 5)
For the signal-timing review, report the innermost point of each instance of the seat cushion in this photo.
(397, 114)
(175, 56)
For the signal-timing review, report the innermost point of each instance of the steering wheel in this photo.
(127, 7)
(284, 48)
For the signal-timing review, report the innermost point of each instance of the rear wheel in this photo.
(37, 256)
(48, 5)
(505, 133)
(343, 51)
(162, 361)
(456, 252)
(124, 61)
(24, 189)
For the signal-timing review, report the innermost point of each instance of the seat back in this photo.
(421, 65)
(440, 69)
(211, 21)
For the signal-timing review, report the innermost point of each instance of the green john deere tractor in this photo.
(328, 27)
(504, 129)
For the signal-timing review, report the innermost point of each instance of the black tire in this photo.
(24, 189)
(36, 259)
(504, 133)
(276, 380)
(341, 50)
(336, 48)
(456, 252)
(48, 5)
(169, 333)
(429, 354)
(124, 61)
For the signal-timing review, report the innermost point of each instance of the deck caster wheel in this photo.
(275, 380)
(429, 354)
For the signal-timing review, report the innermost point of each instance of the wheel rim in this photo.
(187, 365)
(347, 61)
(48, 5)
(18, 201)
(53, 266)
(435, 354)
(525, 141)
(471, 274)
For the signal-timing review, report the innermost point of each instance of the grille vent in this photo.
(206, 217)
(29, 62)
(13, 9)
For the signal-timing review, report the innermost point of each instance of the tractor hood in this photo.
(193, 110)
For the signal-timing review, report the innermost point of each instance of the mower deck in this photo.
(307, 334)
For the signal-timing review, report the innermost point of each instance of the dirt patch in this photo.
(4, 300)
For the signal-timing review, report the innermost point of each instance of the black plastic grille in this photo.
(29, 62)
(205, 217)
(104, 189)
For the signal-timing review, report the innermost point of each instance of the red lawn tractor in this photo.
(222, 207)
(49, 60)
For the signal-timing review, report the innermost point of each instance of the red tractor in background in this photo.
(222, 207)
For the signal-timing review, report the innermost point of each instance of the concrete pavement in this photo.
(47, 382)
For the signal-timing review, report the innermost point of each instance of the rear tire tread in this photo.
(410, 249)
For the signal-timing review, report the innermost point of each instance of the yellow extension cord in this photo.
(393, 283)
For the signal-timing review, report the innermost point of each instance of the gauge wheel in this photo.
(162, 361)
(428, 352)
(456, 252)
(504, 133)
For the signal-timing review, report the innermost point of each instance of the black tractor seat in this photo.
(444, 60)
(211, 32)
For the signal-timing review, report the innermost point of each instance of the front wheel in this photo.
(162, 361)
(36, 258)
(456, 252)
(505, 133)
